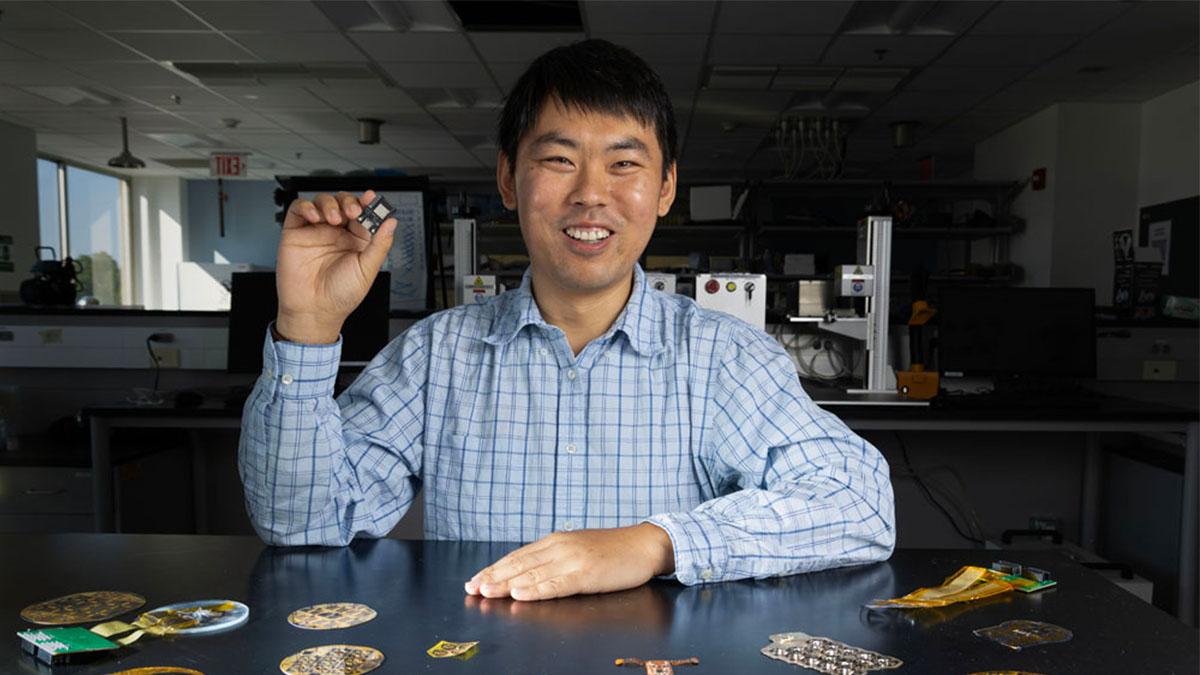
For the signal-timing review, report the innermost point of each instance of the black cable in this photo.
(929, 495)
(154, 360)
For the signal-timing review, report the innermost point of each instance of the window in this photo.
(95, 225)
(48, 216)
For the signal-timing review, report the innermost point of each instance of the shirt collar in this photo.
(641, 320)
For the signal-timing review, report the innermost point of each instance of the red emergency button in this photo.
(712, 286)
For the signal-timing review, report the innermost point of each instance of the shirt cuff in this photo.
(701, 554)
(294, 370)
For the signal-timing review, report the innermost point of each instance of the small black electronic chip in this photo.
(375, 213)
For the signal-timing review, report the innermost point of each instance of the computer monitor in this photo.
(253, 305)
(1037, 332)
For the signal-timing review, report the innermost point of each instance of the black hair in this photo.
(591, 76)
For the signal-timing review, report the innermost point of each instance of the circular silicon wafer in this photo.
(332, 660)
(82, 608)
(331, 615)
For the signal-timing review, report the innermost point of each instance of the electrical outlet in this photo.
(168, 357)
(1159, 370)
(51, 336)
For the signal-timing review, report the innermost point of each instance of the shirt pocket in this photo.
(452, 487)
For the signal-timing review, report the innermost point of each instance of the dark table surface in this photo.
(417, 589)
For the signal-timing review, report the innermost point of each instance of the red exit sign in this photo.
(227, 165)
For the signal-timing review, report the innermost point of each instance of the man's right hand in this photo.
(327, 262)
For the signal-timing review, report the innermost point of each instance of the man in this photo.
(626, 433)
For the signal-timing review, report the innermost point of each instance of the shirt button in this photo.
(543, 351)
(570, 448)
(286, 378)
(568, 526)
(706, 573)
(570, 374)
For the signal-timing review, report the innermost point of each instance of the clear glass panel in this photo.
(47, 176)
(94, 232)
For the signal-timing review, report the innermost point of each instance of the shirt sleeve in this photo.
(803, 492)
(320, 471)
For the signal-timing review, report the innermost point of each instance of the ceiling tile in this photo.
(741, 106)
(679, 75)
(739, 50)
(606, 16)
(145, 73)
(1047, 18)
(38, 73)
(10, 52)
(468, 121)
(1083, 68)
(1165, 21)
(413, 74)
(519, 47)
(1173, 70)
(216, 121)
(136, 15)
(373, 96)
(1004, 50)
(452, 47)
(70, 45)
(35, 14)
(270, 98)
(264, 15)
(185, 46)
(950, 79)
(440, 158)
(299, 47)
(313, 121)
(922, 107)
(864, 50)
(191, 98)
(658, 49)
(795, 18)
(407, 139)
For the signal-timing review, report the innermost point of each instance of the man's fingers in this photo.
(554, 585)
(349, 204)
(517, 562)
(305, 211)
(328, 206)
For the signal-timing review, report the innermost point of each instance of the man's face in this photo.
(589, 188)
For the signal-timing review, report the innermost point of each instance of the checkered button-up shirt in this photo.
(677, 416)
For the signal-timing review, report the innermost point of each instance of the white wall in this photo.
(1013, 154)
(158, 204)
(1095, 191)
(18, 194)
(1169, 161)
(1104, 161)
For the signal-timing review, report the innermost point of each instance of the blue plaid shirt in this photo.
(685, 418)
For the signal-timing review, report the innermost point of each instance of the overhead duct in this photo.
(368, 130)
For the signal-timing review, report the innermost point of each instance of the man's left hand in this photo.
(586, 561)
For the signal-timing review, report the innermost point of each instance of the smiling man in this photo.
(620, 433)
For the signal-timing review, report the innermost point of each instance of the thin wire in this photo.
(154, 360)
(929, 495)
